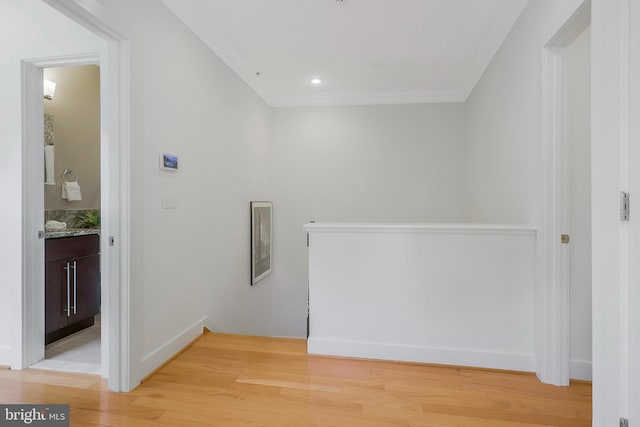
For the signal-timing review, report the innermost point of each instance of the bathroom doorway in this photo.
(111, 52)
(72, 198)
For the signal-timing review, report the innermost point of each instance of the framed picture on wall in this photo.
(169, 162)
(261, 227)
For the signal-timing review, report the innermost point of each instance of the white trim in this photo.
(380, 98)
(33, 306)
(33, 202)
(625, 264)
(121, 354)
(552, 302)
(422, 354)
(634, 188)
(88, 13)
(169, 349)
(581, 370)
(508, 18)
(610, 104)
(552, 293)
(87, 58)
(420, 228)
(116, 198)
(573, 27)
(33, 284)
(222, 49)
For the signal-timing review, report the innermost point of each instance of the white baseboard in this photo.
(580, 370)
(288, 337)
(409, 353)
(169, 349)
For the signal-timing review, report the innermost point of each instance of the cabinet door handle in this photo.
(68, 310)
(74, 287)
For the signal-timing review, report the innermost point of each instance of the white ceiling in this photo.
(366, 51)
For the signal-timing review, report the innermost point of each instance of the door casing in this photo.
(114, 87)
(552, 293)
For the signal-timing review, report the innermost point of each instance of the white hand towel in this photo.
(53, 225)
(71, 191)
(49, 165)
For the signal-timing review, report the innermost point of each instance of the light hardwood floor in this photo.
(231, 380)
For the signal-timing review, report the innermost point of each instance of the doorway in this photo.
(563, 298)
(72, 220)
(578, 135)
(113, 60)
(68, 122)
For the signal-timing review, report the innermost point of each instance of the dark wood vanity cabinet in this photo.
(72, 284)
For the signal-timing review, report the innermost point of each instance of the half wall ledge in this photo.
(457, 294)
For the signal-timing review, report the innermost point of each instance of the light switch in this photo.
(169, 200)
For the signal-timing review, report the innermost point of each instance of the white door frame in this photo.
(611, 167)
(32, 215)
(33, 203)
(115, 270)
(634, 189)
(552, 295)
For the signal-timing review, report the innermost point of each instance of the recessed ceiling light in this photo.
(315, 81)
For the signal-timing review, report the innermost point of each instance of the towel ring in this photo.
(69, 172)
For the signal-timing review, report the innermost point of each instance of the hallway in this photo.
(253, 381)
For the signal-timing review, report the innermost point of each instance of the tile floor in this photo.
(79, 352)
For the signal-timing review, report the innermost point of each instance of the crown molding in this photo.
(328, 99)
(240, 68)
(185, 13)
(509, 16)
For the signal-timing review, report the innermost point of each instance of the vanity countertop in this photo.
(70, 232)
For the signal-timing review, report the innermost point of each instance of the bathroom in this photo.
(72, 219)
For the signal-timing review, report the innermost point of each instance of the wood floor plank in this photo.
(429, 419)
(233, 380)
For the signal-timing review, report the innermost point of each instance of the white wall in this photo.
(401, 163)
(189, 265)
(28, 29)
(397, 292)
(578, 56)
(504, 121)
